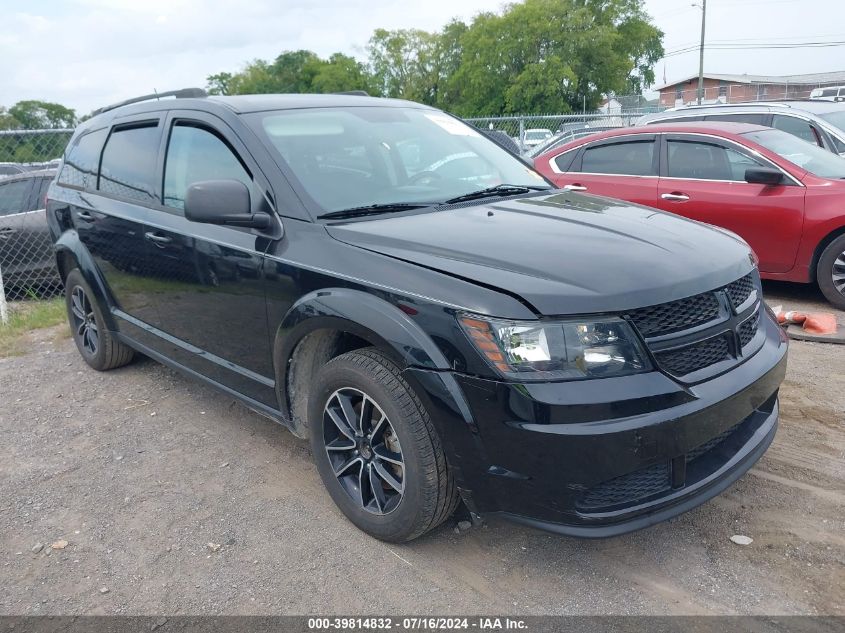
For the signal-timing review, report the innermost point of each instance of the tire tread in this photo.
(442, 496)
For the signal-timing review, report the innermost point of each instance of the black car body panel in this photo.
(234, 306)
(565, 253)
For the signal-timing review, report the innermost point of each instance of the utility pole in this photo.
(703, 7)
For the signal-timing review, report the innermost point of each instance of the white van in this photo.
(833, 93)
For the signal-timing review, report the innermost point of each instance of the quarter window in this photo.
(195, 154)
(82, 161)
(706, 161)
(631, 158)
(797, 127)
(129, 162)
(564, 161)
(13, 196)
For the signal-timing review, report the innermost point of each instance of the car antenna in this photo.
(155, 92)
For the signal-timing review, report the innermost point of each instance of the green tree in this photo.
(219, 84)
(342, 73)
(7, 121)
(554, 56)
(37, 115)
(403, 64)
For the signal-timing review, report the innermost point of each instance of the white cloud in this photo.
(86, 53)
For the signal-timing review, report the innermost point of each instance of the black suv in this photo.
(381, 278)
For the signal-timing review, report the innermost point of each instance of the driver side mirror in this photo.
(763, 176)
(224, 202)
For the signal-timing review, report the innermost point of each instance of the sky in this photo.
(88, 53)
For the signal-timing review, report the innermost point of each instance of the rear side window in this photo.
(195, 154)
(631, 158)
(13, 196)
(82, 161)
(129, 162)
(797, 127)
(757, 119)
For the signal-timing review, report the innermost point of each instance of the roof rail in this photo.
(354, 93)
(784, 103)
(184, 93)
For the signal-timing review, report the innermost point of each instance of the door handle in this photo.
(575, 187)
(158, 239)
(84, 215)
(675, 197)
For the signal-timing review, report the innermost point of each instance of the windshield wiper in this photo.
(374, 209)
(498, 190)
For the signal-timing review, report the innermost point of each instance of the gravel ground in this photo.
(173, 499)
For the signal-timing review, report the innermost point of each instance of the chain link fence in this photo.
(531, 131)
(28, 162)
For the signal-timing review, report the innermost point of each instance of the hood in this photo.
(562, 253)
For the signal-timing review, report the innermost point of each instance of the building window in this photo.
(723, 89)
(679, 92)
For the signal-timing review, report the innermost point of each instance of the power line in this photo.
(737, 47)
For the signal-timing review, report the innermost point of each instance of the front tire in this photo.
(376, 449)
(98, 347)
(830, 272)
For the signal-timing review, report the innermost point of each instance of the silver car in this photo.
(819, 122)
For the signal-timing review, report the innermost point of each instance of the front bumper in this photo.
(604, 457)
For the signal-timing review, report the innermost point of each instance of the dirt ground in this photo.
(139, 470)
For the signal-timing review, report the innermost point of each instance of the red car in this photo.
(784, 196)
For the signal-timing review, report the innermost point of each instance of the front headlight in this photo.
(558, 350)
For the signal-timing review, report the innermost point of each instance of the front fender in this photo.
(72, 253)
(367, 316)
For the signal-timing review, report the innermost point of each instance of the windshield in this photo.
(806, 155)
(836, 118)
(360, 156)
(537, 135)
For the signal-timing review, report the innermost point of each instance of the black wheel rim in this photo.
(84, 321)
(363, 451)
(838, 274)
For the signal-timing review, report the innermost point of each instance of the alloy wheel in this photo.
(84, 320)
(363, 451)
(838, 273)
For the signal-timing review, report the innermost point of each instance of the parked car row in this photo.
(769, 172)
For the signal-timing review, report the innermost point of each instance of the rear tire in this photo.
(830, 272)
(395, 499)
(98, 347)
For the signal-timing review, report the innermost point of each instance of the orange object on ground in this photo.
(791, 317)
(820, 323)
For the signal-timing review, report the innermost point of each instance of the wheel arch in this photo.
(823, 244)
(71, 253)
(329, 322)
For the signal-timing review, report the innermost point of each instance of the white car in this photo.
(833, 93)
(535, 136)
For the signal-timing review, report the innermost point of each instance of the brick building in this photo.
(741, 88)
